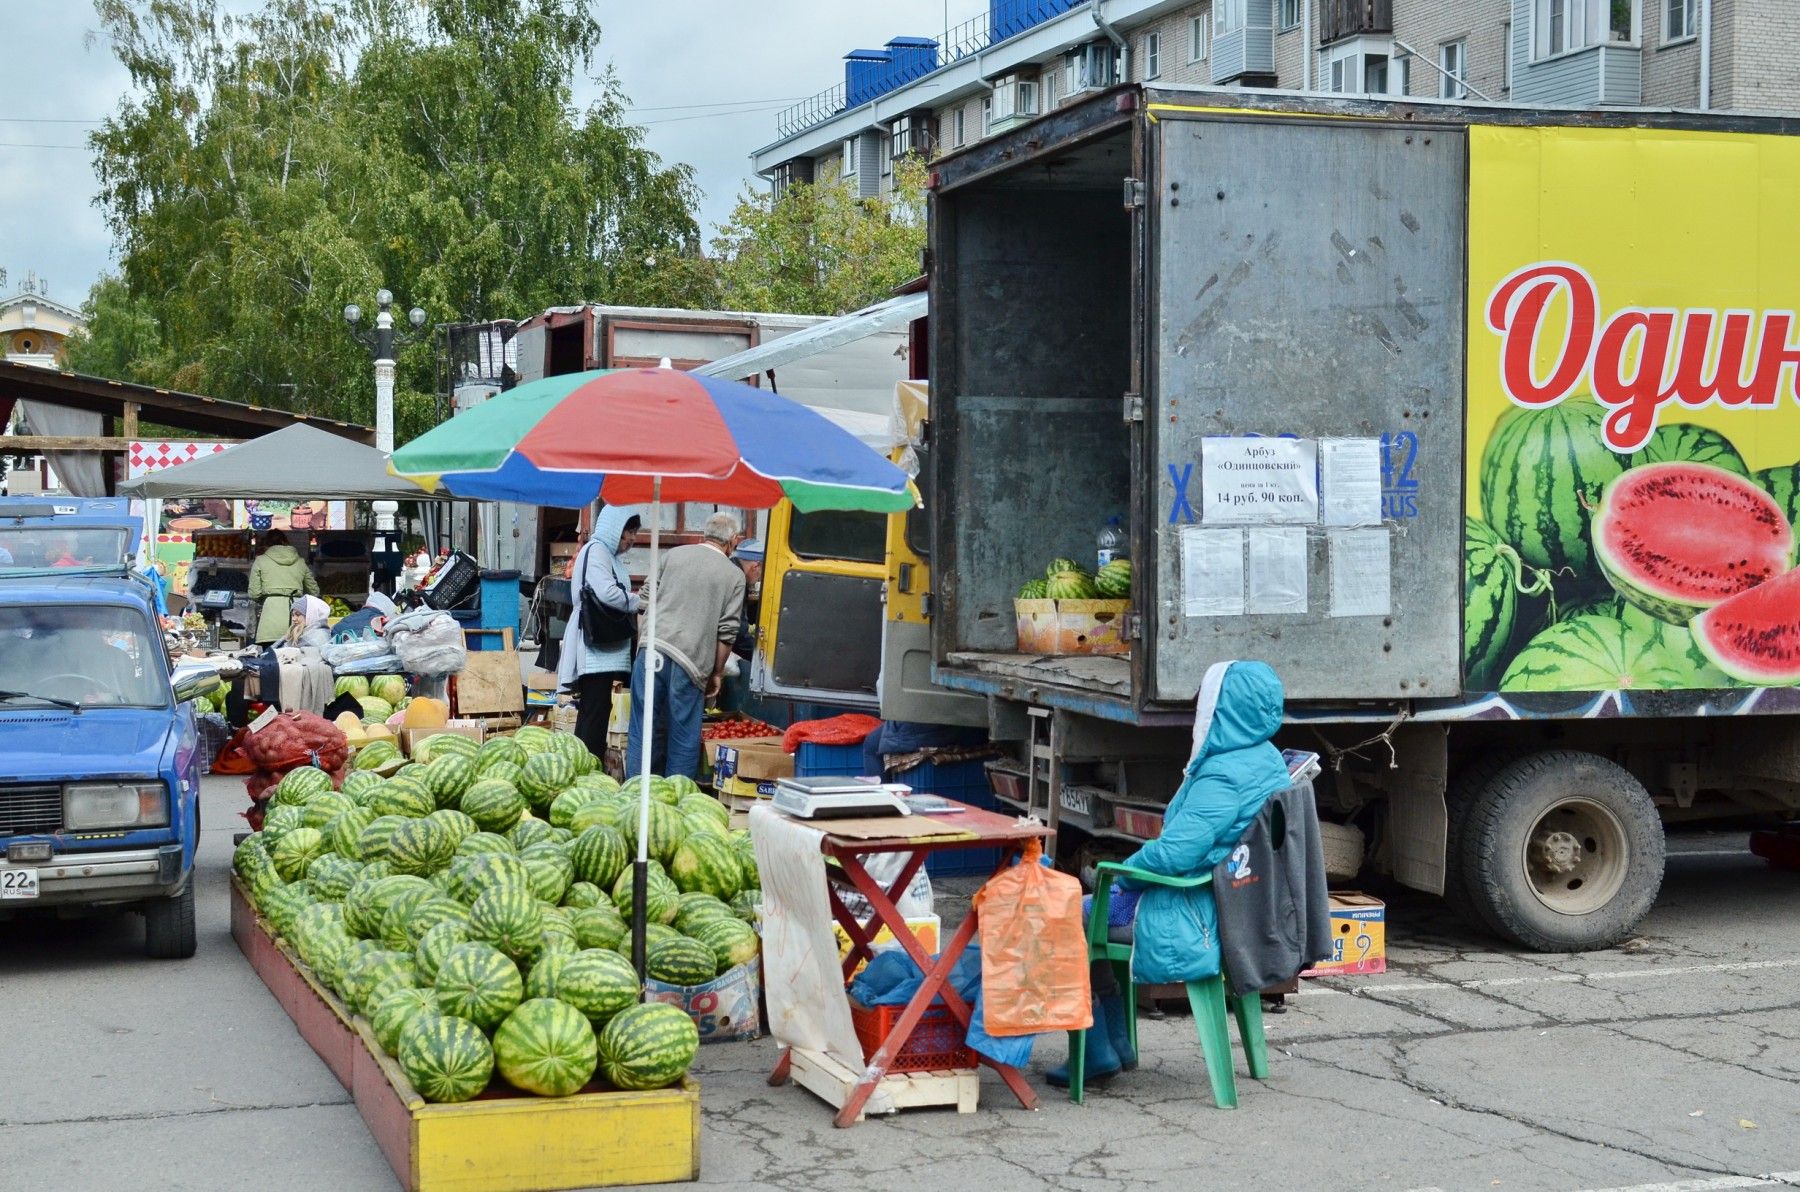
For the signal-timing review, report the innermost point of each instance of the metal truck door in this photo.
(907, 692)
(1307, 404)
(819, 628)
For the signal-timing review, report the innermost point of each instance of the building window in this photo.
(1197, 39)
(987, 113)
(1052, 89)
(1453, 70)
(1093, 66)
(1152, 55)
(958, 122)
(849, 170)
(1012, 97)
(1229, 15)
(1565, 25)
(1364, 66)
(1290, 15)
(1679, 19)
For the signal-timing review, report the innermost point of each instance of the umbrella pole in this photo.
(640, 880)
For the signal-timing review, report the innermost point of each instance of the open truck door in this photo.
(819, 629)
(907, 692)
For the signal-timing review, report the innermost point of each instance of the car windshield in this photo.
(36, 548)
(95, 655)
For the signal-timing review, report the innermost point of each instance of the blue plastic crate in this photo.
(966, 782)
(813, 760)
(500, 600)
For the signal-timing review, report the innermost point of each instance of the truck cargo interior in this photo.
(1030, 424)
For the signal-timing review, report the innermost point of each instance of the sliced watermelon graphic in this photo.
(1676, 539)
(1755, 636)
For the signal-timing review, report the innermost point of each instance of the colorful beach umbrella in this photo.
(645, 436)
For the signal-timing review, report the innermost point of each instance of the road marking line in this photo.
(1774, 1179)
(1562, 978)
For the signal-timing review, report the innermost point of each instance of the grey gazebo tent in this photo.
(298, 463)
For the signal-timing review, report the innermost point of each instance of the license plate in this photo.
(1076, 801)
(18, 883)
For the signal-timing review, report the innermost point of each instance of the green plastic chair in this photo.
(1211, 1000)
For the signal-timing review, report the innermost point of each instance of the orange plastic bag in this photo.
(1034, 963)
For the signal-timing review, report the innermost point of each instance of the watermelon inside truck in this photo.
(1479, 424)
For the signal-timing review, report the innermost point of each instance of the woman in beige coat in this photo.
(276, 578)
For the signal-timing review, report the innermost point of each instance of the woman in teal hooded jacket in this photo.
(1230, 774)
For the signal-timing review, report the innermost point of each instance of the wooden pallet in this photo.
(832, 1082)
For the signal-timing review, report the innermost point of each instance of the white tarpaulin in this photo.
(83, 473)
(802, 974)
(891, 315)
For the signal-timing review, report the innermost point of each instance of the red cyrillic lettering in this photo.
(1516, 311)
(1634, 398)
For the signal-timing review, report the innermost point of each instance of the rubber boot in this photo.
(1118, 1028)
(1102, 1059)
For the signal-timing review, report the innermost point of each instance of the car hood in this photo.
(52, 743)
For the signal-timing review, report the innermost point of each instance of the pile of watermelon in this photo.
(1065, 579)
(1670, 568)
(474, 907)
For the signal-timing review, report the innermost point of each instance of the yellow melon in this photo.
(425, 712)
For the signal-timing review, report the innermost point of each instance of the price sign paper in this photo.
(1259, 482)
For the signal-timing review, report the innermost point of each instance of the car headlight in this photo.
(92, 805)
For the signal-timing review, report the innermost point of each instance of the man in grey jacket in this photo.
(699, 600)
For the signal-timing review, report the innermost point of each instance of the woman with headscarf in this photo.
(308, 624)
(1233, 770)
(588, 671)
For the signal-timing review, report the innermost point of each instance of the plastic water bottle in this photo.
(1111, 543)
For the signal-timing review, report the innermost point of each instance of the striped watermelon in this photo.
(322, 809)
(376, 839)
(509, 919)
(376, 754)
(446, 1058)
(706, 864)
(1113, 581)
(403, 797)
(296, 850)
(441, 745)
(700, 803)
(459, 826)
(611, 811)
(746, 855)
(360, 784)
(396, 1012)
(533, 738)
(546, 1047)
(665, 831)
(681, 961)
(544, 776)
(661, 900)
(328, 951)
(1684, 442)
(374, 974)
(280, 820)
(483, 842)
(448, 776)
(433, 912)
(300, 784)
(557, 939)
(567, 803)
(733, 942)
(477, 982)
(541, 978)
(493, 805)
(654, 934)
(420, 846)
(697, 908)
(1597, 653)
(1783, 484)
(281, 904)
(1541, 472)
(434, 945)
(549, 872)
(472, 876)
(598, 982)
(747, 905)
(649, 1046)
(570, 746)
(580, 895)
(1071, 585)
(1494, 578)
(332, 876)
(599, 855)
(599, 927)
(503, 772)
(528, 831)
(499, 751)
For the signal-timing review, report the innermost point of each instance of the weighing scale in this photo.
(213, 603)
(839, 797)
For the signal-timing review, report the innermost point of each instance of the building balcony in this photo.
(1606, 75)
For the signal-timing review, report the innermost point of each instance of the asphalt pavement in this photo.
(1672, 1063)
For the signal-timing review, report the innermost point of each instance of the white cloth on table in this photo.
(802, 973)
(307, 683)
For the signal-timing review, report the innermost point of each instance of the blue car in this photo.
(99, 749)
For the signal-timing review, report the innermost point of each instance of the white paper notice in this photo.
(1350, 481)
(1277, 575)
(1361, 580)
(1212, 572)
(1259, 482)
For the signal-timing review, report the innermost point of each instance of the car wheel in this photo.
(169, 926)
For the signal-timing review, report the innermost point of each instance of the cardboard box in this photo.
(757, 759)
(926, 927)
(745, 790)
(475, 730)
(1071, 626)
(725, 1009)
(1358, 937)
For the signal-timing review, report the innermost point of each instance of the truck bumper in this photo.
(101, 879)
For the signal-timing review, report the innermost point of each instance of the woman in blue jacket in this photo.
(1231, 773)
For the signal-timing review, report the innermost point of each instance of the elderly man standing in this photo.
(699, 600)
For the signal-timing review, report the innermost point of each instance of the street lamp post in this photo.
(382, 340)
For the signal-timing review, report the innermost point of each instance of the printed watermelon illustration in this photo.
(1755, 635)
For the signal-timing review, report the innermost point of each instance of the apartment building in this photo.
(1022, 58)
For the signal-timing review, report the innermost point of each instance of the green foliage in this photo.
(818, 249)
(266, 168)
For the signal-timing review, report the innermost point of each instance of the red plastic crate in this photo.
(936, 1044)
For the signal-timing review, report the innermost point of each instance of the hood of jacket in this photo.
(282, 554)
(611, 523)
(1240, 705)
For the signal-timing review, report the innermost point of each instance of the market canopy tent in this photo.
(299, 463)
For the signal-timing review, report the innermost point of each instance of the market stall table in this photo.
(965, 829)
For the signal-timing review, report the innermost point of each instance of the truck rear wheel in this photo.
(1562, 851)
(169, 926)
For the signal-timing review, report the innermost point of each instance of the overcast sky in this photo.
(669, 55)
